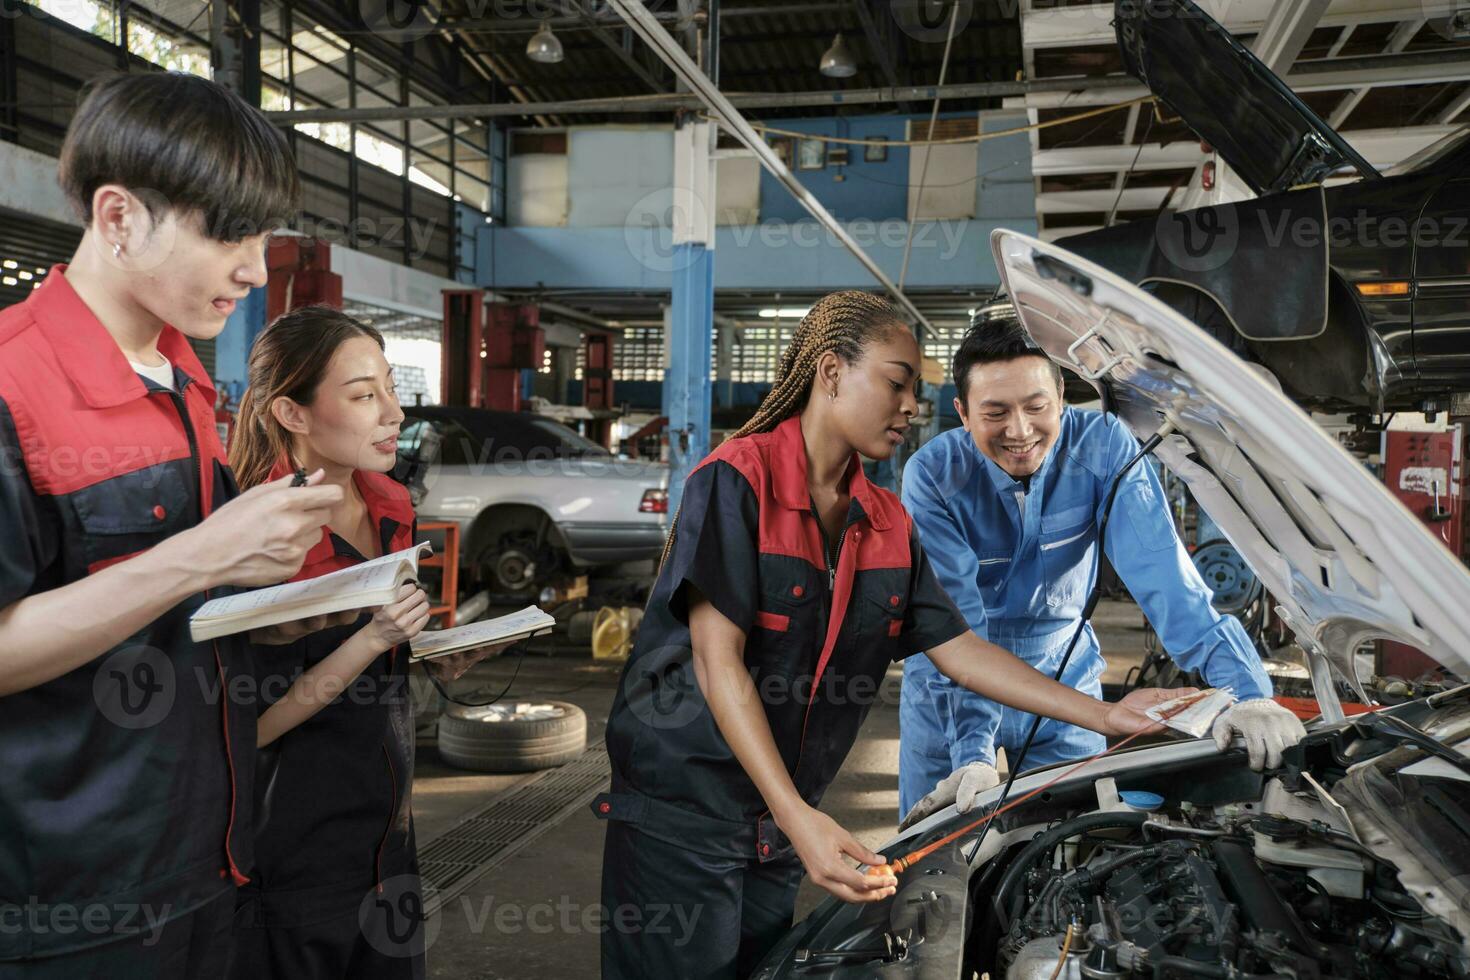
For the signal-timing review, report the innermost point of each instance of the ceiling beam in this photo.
(601, 18)
(671, 102)
(1397, 41)
(1381, 147)
(1093, 202)
(1318, 75)
(615, 45)
(874, 31)
(1069, 160)
(1341, 41)
(1461, 103)
(1286, 31)
(1052, 234)
(1092, 24)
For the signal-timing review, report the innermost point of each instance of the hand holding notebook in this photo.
(363, 586)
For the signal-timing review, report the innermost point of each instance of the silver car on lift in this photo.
(533, 499)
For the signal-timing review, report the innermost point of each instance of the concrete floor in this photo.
(534, 915)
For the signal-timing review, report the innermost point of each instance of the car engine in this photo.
(1276, 888)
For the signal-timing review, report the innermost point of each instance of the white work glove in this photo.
(959, 787)
(1266, 726)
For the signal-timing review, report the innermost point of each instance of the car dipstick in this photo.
(910, 859)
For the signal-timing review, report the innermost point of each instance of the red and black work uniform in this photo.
(697, 880)
(124, 784)
(335, 890)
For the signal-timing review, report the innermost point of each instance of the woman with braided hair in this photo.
(789, 585)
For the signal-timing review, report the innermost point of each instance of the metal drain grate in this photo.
(458, 858)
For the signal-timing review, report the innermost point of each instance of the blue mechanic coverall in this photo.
(1020, 563)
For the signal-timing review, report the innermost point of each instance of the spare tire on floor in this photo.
(514, 736)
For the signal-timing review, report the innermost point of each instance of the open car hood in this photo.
(1344, 559)
(1227, 96)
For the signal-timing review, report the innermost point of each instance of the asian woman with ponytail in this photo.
(788, 586)
(335, 888)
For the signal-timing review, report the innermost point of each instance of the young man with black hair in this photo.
(1008, 508)
(124, 759)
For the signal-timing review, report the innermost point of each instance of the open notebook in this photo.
(372, 583)
(522, 625)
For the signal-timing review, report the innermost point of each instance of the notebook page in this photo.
(375, 574)
(527, 620)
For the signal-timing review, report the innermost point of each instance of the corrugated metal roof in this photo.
(764, 52)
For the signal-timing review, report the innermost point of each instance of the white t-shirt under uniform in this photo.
(162, 374)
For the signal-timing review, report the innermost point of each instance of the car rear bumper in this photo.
(605, 544)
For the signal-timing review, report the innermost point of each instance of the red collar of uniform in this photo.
(385, 498)
(788, 475)
(89, 355)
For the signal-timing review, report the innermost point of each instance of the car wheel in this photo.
(517, 736)
(518, 566)
(512, 570)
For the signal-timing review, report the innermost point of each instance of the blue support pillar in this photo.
(690, 320)
(232, 346)
(687, 389)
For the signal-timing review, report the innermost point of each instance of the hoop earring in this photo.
(832, 395)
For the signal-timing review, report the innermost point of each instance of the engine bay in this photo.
(1230, 891)
(1351, 862)
(1289, 883)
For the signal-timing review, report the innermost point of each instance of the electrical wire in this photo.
(1123, 180)
(908, 240)
(1066, 948)
(520, 658)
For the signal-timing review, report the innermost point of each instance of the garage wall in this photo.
(948, 182)
(789, 249)
(614, 172)
(861, 188)
(536, 190)
(737, 190)
(616, 176)
(620, 176)
(1004, 190)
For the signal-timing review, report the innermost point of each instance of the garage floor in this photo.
(534, 915)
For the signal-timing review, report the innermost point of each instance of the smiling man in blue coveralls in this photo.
(1007, 508)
